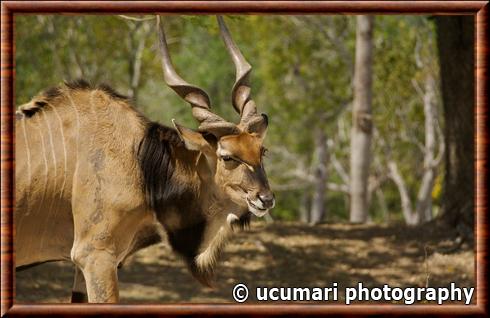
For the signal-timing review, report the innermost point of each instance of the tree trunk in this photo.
(317, 212)
(410, 217)
(137, 40)
(424, 196)
(135, 69)
(456, 55)
(360, 153)
(423, 210)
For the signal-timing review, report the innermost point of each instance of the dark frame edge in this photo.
(249, 7)
(481, 142)
(8, 8)
(7, 160)
(229, 309)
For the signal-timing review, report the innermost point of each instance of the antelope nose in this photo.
(267, 199)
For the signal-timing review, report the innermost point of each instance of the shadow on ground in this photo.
(279, 254)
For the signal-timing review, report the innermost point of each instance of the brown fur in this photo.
(96, 181)
(246, 146)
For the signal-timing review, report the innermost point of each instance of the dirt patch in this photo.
(279, 254)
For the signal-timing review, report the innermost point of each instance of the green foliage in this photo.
(302, 75)
(405, 53)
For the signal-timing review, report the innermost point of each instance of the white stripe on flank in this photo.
(64, 151)
(53, 154)
(29, 172)
(45, 160)
(46, 171)
(77, 114)
(29, 176)
(48, 217)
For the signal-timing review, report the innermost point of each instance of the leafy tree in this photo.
(302, 78)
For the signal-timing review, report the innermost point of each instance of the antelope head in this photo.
(233, 152)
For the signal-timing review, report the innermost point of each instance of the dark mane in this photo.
(51, 93)
(78, 84)
(112, 92)
(81, 84)
(157, 162)
(157, 165)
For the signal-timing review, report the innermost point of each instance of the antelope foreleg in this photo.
(99, 268)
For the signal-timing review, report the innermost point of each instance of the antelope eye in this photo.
(229, 162)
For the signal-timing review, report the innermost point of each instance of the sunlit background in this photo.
(303, 69)
(302, 78)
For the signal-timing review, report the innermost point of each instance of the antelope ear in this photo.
(193, 140)
(259, 125)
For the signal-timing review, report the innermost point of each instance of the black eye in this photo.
(226, 158)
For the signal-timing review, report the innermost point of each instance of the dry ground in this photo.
(279, 254)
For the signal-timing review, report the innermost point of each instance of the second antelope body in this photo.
(96, 181)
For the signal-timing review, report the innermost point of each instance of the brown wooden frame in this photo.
(9, 8)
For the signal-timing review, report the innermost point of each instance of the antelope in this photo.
(96, 181)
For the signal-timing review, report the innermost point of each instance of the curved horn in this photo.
(199, 100)
(240, 95)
